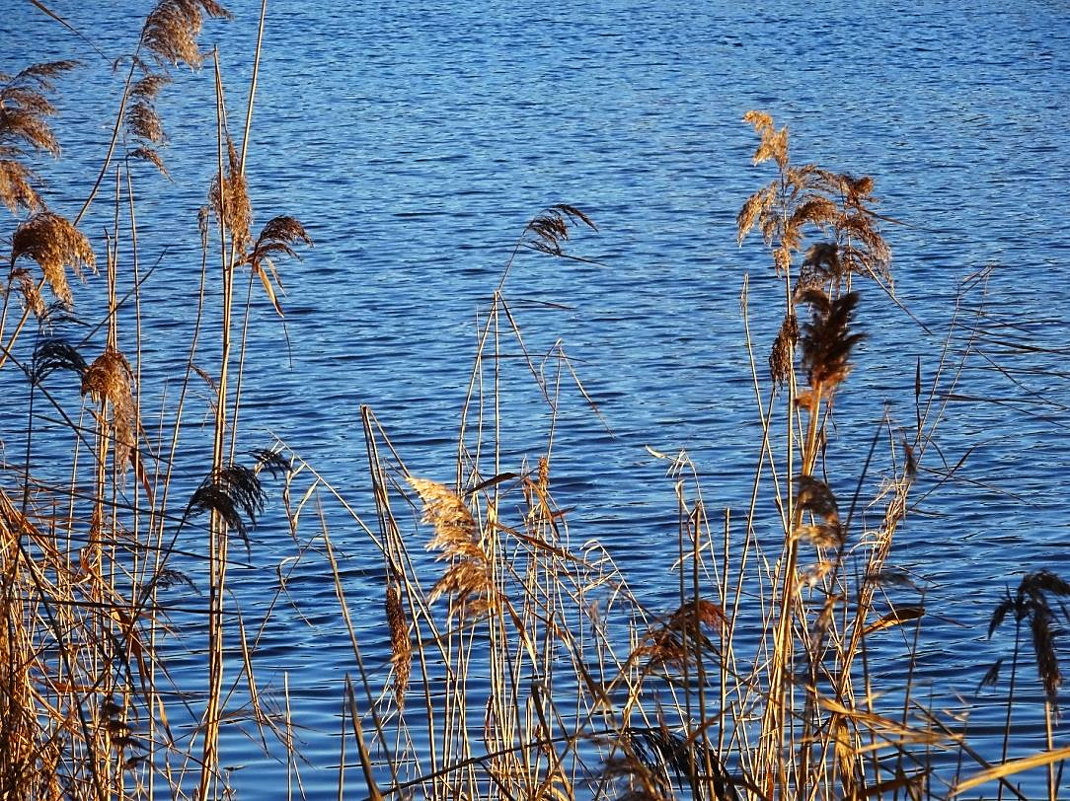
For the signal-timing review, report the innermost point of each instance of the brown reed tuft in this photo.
(773, 143)
(143, 123)
(109, 379)
(826, 340)
(681, 639)
(24, 112)
(278, 235)
(469, 578)
(755, 208)
(230, 201)
(821, 266)
(172, 27)
(24, 109)
(235, 493)
(815, 496)
(783, 347)
(23, 283)
(548, 230)
(455, 528)
(1031, 603)
(52, 354)
(55, 244)
(400, 642)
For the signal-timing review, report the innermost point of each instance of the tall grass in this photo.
(92, 517)
(522, 665)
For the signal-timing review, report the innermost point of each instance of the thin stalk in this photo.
(218, 532)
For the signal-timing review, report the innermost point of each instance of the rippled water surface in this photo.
(416, 139)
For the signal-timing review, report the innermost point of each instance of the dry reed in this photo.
(542, 675)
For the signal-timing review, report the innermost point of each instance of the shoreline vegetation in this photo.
(522, 665)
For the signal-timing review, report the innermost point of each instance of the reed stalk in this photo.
(522, 664)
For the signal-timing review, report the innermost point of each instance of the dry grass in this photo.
(521, 665)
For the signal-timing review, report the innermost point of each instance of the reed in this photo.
(87, 555)
(522, 664)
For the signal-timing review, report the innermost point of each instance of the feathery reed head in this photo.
(826, 340)
(400, 643)
(24, 127)
(815, 496)
(774, 142)
(110, 379)
(229, 199)
(143, 123)
(783, 347)
(1031, 603)
(54, 244)
(235, 493)
(651, 757)
(172, 27)
(278, 236)
(546, 232)
(682, 639)
(53, 354)
(455, 529)
(469, 577)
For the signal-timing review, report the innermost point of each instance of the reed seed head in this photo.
(109, 379)
(455, 528)
(54, 244)
(400, 643)
(229, 199)
(550, 229)
(469, 578)
(826, 340)
(783, 347)
(172, 27)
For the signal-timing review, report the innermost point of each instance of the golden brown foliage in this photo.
(24, 127)
(681, 639)
(55, 244)
(279, 235)
(826, 340)
(469, 577)
(773, 144)
(109, 379)
(172, 27)
(815, 496)
(783, 347)
(143, 123)
(400, 644)
(230, 201)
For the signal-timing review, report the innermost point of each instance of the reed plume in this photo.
(400, 642)
(277, 237)
(1032, 603)
(109, 380)
(142, 122)
(235, 493)
(228, 198)
(468, 579)
(682, 639)
(55, 353)
(815, 497)
(55, 244)
(826, 341)
(172, 27)
(547, 231)
(24, 128)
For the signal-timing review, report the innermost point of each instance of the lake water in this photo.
(415, 140)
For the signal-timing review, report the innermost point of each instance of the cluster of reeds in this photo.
(90, 513)
(525, 667)
(522, 665)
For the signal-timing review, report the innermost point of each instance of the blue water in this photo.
(416, 140)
